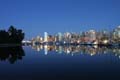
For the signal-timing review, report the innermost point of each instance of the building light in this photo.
(105, 41)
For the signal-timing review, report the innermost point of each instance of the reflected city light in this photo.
(46, 49)
(79, 49)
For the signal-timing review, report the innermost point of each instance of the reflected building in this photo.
(46, 49)
(79, 49)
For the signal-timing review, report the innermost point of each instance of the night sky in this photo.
(38, 16)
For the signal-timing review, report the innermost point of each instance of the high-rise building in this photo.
(60, 36)
(118, 32)
(116, 35)
(92, 35)
(45, 37)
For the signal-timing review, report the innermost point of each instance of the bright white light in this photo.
(45, 49)
(105, 41)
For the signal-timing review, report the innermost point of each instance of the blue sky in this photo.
(38, 16)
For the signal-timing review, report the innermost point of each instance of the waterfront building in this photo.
(104, 37)
(45, 37)
(67, 37)
(89, 37)
(60, 36)
(50, 38)
(92, 35)
(116, 34)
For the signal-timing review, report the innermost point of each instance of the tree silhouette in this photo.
(11, 54)
(11, 36)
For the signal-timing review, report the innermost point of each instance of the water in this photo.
(59, 63)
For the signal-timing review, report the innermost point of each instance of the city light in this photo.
(89, 37)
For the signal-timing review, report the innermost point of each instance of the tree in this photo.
(13, 35)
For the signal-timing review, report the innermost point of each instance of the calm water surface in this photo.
(59, 63)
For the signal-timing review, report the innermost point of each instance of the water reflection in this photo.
(11, 54)
(80, 49)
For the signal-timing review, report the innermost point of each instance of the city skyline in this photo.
(59, 39)
(87, 37)
(38, 16)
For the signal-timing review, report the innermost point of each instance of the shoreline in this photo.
(18, 45)
(10, 45)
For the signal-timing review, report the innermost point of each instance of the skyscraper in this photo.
(60, 36)
(92, 35)
(45, 37)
